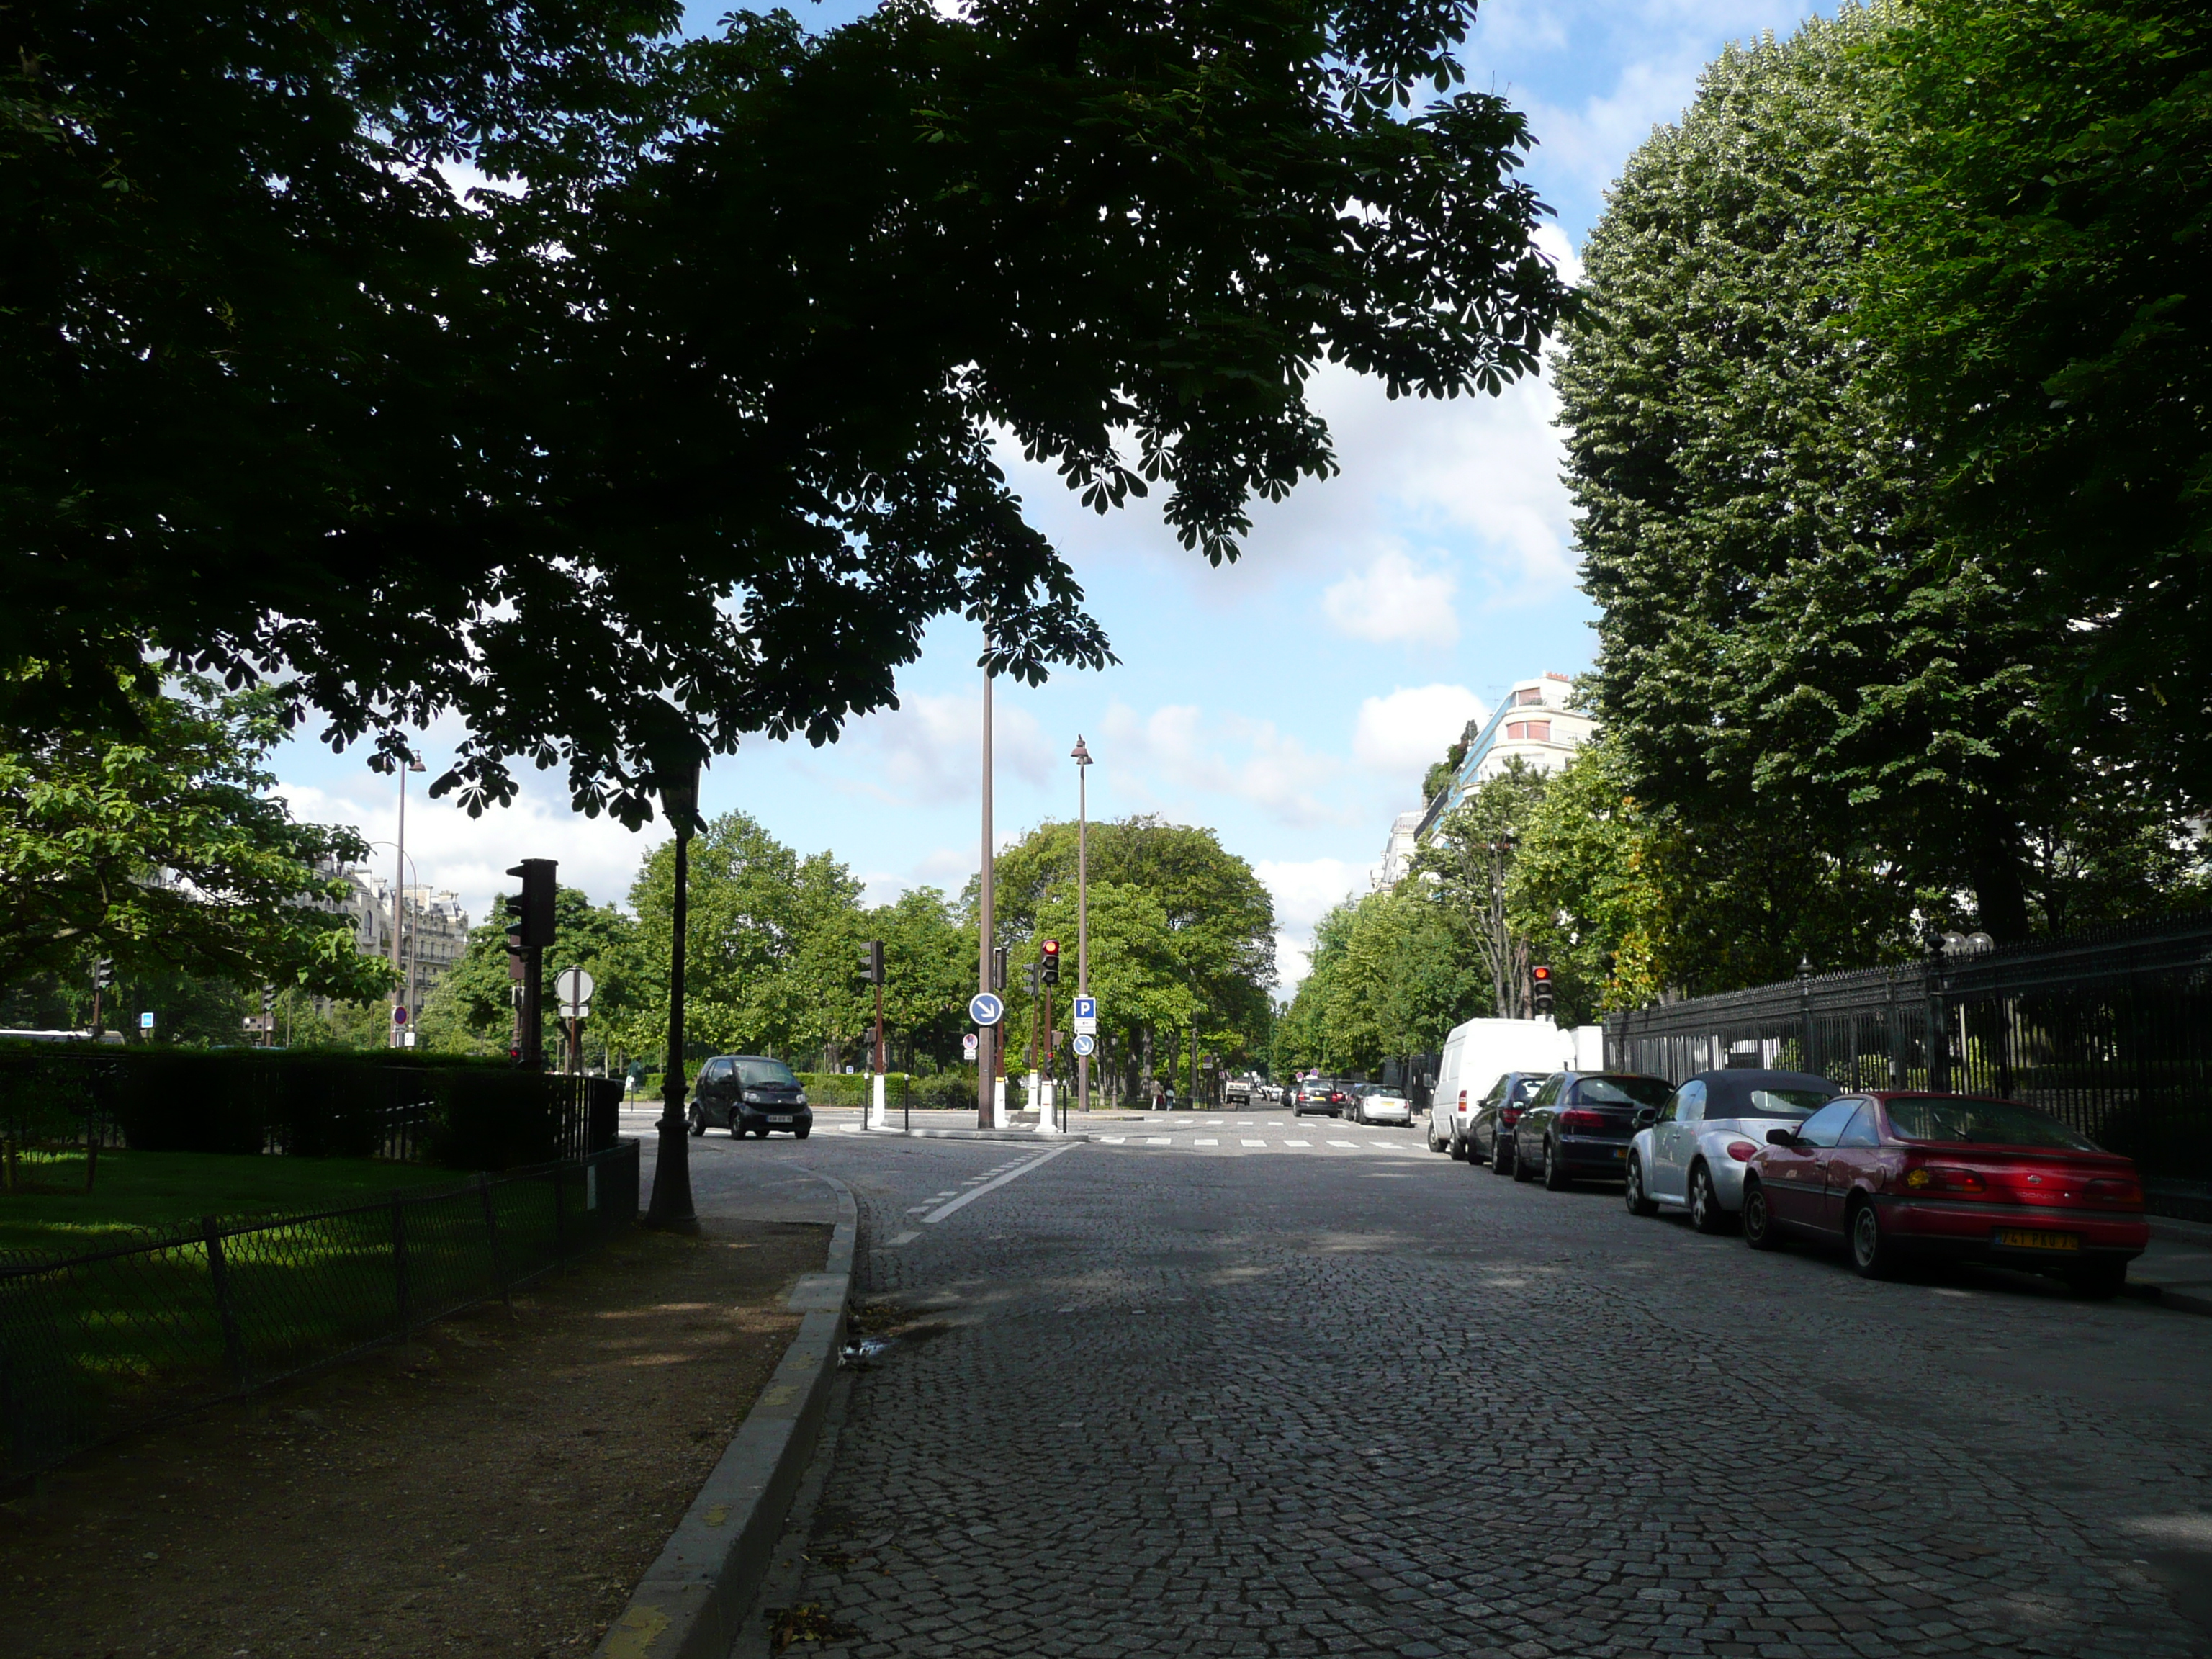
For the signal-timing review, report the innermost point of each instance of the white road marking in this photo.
(1384, 1145)
(907, 1238)
(1255, 1143)
(1298, 1143)
(1014, 1173)
(1158, 1140)
(1205, 1143)
(1114, 1141)
(1352, 1144)
(918, 1209)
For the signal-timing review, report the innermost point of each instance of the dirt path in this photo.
(495, 1489)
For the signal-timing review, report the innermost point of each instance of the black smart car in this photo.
(1578, 1125)
(749, 1092)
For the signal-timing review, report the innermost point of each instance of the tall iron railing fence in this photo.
(468, 1115)
(96, 1346)
(2110, 1030)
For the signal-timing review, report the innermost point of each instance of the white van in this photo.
(1479, 1052)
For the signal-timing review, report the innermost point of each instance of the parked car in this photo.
(1576, 1127)
(1500, 1110)
(1322, 1094)
(750, 1093)
(1475, 1051)
(1894, 1175)
(1376, 1102)
(1691, 1152)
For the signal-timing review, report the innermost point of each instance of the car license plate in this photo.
(774, 1118)
(2020, 1238)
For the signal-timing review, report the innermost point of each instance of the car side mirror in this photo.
(1646, 1117)
(1780, 1138)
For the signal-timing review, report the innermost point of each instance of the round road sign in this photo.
(1085, 1043)
(985, 1009)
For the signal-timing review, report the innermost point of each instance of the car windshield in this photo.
(1790, 1103)
(1625, 1091)
(1522, 1088)
(765, 1074)
(1982, 1122)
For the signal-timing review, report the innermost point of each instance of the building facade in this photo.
(1534, 723)
(435, 928)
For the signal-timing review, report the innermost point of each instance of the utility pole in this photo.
(401, 988)
(676, 777)
(1081, 756)
(987, 1053)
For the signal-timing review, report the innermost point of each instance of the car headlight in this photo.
(802, 1097)
(751, 1096)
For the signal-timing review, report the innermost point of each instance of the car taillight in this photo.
(1940, 1178)
(1582, 1120)
(1463, 1100)
(1508, 1116)
(1741, 1151)
(2112, 1189)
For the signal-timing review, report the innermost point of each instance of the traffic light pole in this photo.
(1081, 756)
(671, 1207)
(987, 1057)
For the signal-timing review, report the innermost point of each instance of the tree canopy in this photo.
(684, 431)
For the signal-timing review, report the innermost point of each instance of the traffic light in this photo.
(1539, 989)
(531, 912)
(267, 1000)
(1033, 970)
(871, 962)
(997, 968)
(1052, 961)
(103, 972)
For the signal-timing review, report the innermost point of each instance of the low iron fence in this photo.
(96, 1346)
(465, 1115)
(2109, 1031)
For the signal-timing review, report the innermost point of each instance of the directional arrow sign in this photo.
(985, 1009)
(1086, 1018)
(1085, 1043)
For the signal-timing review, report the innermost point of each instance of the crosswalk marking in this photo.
(1352, 1144)
(1298, 1143)
(1158, 1140)
(1255, 1143)
(1206, 1143)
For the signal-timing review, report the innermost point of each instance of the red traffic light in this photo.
(1540, 974)
(1052, 947)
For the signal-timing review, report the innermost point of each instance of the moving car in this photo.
(1691, 1153)
(1322, 1094)
(1499, 1109)
(750, 1093)
(1475, 1051)
(1239, 1092)
(1376, 1103)
(1577, 1126)
(1891, 1175)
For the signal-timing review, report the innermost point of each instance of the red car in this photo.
(1892, 1175)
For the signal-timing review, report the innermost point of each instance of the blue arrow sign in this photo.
(1085, 1045)
(985, 1009)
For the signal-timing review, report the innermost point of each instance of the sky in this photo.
(1291, 702)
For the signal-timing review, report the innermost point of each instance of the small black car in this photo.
(1332, 1095)
(1578, 1125)
(1498, 1109)
(742, 1092)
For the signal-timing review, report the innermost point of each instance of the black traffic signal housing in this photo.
(1539, 989)
(997, 968)
(871, 962)
(530, 924)
(1033, 971)
(103, 972)
(1052, 961)
(267, 1000)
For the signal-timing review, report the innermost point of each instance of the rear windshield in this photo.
(1625, 1090)
(765, 1073)
(1522, 1088)
(1983, 1122)
(1792, 1104)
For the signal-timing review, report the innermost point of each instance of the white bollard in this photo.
(1045, 1125)
(1031, 1094)
(879, 1115)
(998, 1103)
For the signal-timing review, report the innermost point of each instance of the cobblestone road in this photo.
(1227, 1401)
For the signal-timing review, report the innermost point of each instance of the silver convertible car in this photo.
(1690, 1153)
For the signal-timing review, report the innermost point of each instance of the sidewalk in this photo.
(2177, 1269)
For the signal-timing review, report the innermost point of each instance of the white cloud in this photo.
(1393, 601)
(446, 849)
(1401, 735)
(1304, 891)
(1245, 759)
(929, 751)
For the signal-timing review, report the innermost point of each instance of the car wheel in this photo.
(802, 1131)
(1556, 1178)
(2099, 1281)
(1759, 1229)
(1434, 1145)
(696, 1121)
(1520, 1169)
(1872, 1255)
(1705, 1212)
(1460, 1149)
(1501, 1155)
(1632, 1195)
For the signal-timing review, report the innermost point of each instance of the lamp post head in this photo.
(1081, 753)
(677, 781)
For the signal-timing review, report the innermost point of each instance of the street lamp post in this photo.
(671, 1208)
(986, 1050)
(1081, 756)
(402, 988)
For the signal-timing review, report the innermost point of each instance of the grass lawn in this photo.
(161, 1189)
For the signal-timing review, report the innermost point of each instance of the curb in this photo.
(694, 1598)
(1029, 1137)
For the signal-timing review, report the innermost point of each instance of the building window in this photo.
(1529, 731)
(1527, 697)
